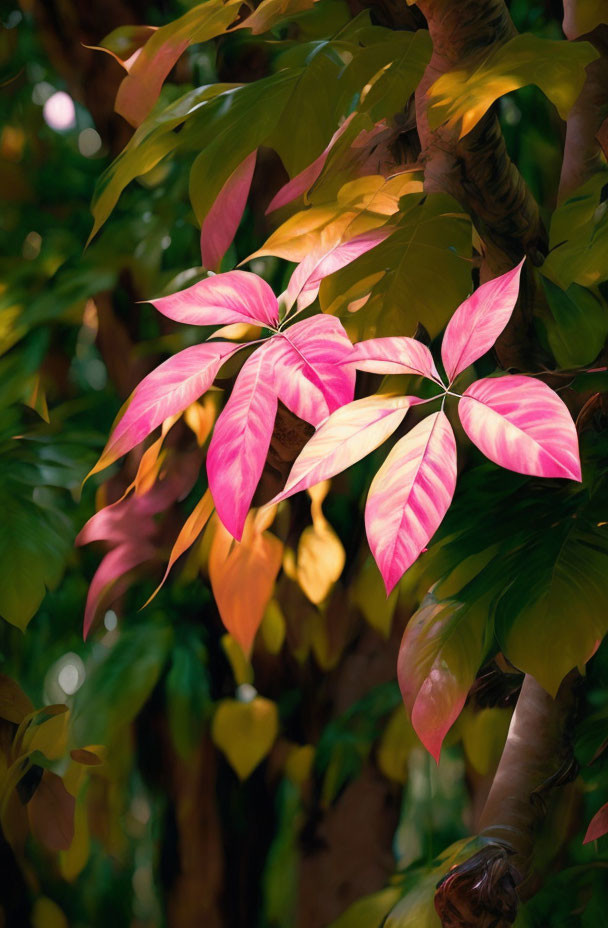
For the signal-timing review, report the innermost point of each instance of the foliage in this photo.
(227, 743)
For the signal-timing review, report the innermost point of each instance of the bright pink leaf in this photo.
(309, 274)
(397, 354)
(147, 70)
(236, 296)
(478, 322)
(433, 684)
(345, 437)
(306, 178)
(222, 220)
(168, 390)
(598, 826)
(521, 424)
(304, 367)
(410, 495)
(240, 443)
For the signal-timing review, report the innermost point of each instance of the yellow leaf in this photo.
(242, 576)
(369, 594)
(46, 731)
(557, 67)
(201, 415)
(47, 914)
(273, 627)
(483, 736)
(245, 732)
(240, 665)
(397, 741)
(370, 911)
(298, 765)
(190, 531)
(321, 556)
(73, 861)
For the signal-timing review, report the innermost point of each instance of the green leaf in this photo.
(153, 141)
(419, 274)
(554, 613)
(226, 133)
(187, 695)
(557, 67)
(578, 237)
(579, 325)
(119, 685)
(34, 544)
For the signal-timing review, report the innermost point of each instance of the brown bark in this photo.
(484, 891)
(583, 154)
(476, 169)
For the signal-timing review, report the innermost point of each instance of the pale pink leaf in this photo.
(598, 826)
(345, 437)
(478, 322)
(397, 354)
(305, 371)
(168, 390)
(236, 296)
(309, 274)
(221, 222)
(410, 495)
(146, 73)
(240, 443)
(521, 424)
(306, 178)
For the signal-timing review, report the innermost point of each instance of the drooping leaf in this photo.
(141, 87)
(578, 236)
(236, 296)
(348, 435)
(240, 442)
(598, 826)
(303, 366)
(189, 532)
(582, 16)
(222, 220)
(34, 543)
(393, 355)
(242, 577)
(478, 322)
(558, 68)
(304, 180)
(523, 425)
(410, 495)
(418, 274)
(320, 555)
(245, 732)
(560, 575)
(578, 328)
(51, 813)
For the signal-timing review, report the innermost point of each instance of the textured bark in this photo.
(484, 891)
(476, 169)
(583, 154)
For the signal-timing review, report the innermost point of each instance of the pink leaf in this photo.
(240, 443)
(168, 390)
(222, 220)
(410, 495)
(114, 567)
(309, 274)
(237, 296)
(304, 366)
(396, 354)
(598, 826)
(478, 322)
(521, 424)
(306, 178)
(434, 680)
(147, 70)
(345, 437)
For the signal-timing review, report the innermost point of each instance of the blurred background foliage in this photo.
(183, 785)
